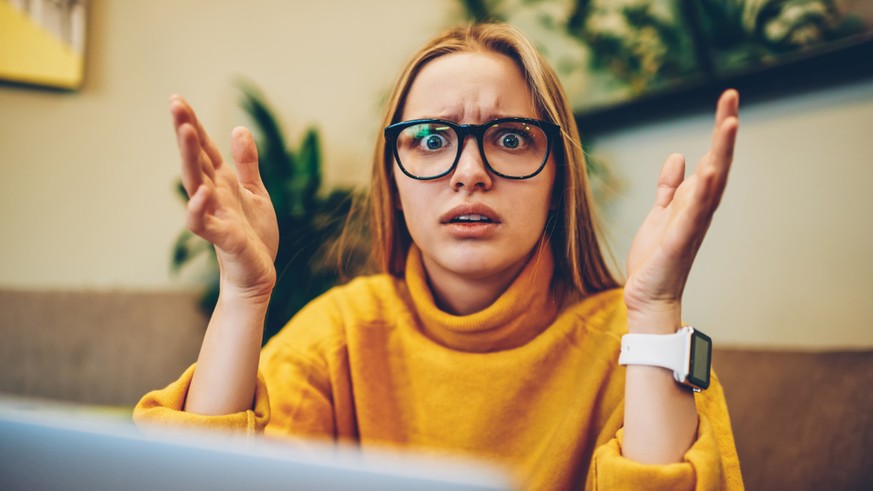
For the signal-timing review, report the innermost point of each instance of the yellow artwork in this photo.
(42, 42)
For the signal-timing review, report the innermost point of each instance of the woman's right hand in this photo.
(232, 210)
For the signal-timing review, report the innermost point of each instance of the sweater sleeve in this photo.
(711, 463)
(164, 407)
(301, 386)
(300, 368)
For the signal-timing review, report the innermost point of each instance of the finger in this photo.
(728, 105)
(183, 116)
(724, 131)
(721, 157)
(245, 157)
(196, 165)
(184, 113)
(726, 116)
(199, 205)
(189, 151)
(712, 172)
(672, 175)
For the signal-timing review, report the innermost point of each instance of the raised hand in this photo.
(232, 210)
(664, 248)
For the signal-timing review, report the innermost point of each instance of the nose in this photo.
(470, 173)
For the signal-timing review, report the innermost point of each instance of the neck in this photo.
(461, 295)
(506, 317)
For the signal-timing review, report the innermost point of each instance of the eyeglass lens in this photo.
(512, 148)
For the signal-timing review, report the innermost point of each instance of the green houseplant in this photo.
(311, 222)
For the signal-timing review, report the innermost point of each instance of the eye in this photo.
(511, 141)
(426, 138)
(433, 142)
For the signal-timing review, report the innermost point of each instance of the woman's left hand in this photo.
(664, 248)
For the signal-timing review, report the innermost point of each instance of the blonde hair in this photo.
(579, 261)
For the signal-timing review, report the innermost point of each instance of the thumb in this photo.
(245, 157)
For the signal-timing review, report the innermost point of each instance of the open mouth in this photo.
(471, 214)
(472, 218)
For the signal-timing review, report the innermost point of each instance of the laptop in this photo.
(49, 450)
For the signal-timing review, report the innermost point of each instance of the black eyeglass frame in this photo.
(476, 130)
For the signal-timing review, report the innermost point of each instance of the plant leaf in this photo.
(275, 162)
(180, 190)
(187, 247)
(309, 160)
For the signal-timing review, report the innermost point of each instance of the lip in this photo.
(470, 209)
(471, 230)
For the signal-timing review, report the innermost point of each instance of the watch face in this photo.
(701, 359)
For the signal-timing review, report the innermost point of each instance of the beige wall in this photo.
(87, 190)
(87, 201)
(787, 260)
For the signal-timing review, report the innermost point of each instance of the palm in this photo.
(229, 208)
(664, 248)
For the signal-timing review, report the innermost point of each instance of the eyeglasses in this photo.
(514, 148)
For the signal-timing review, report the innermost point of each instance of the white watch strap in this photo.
(670, 351)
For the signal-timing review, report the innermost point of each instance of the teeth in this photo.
(471, 218)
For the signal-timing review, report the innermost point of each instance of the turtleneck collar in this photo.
(518, 315)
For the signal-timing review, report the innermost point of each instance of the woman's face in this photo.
(473, 88)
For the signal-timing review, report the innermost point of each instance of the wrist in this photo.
(661, 319)
(253, 296)
(249, 281)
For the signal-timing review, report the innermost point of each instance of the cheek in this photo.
(412, 199)
(402, 189)
(538, 206)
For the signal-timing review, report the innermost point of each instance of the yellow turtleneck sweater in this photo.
(522, 383)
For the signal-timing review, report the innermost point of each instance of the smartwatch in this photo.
(687, 352)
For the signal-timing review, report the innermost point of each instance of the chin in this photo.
(479, 260)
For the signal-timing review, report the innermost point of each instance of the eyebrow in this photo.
(485, 117)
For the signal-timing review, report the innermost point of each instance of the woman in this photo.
(495, 328)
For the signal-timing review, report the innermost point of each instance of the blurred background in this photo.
(90, 211)
(89, 206)
(101, 292)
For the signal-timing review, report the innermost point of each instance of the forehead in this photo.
(470, 87)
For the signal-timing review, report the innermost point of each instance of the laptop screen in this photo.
(52, 451)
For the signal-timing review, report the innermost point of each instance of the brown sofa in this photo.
(802, 420)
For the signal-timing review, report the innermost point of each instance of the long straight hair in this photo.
(580, 265)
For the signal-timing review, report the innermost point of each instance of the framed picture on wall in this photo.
(764, 48)
(625, 60)
(42, 42)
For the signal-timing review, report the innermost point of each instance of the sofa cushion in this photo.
(96, 347)
(802, 420)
